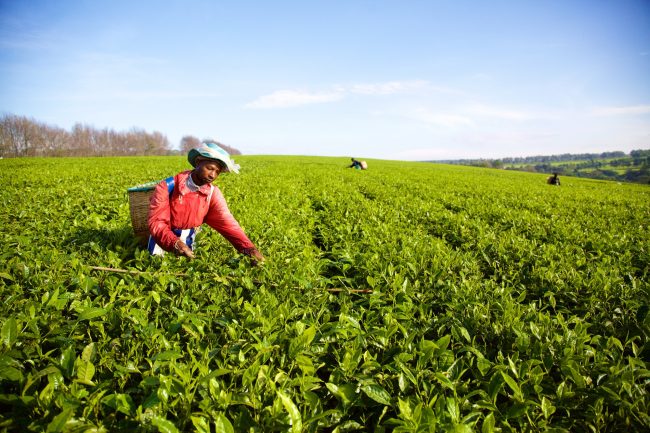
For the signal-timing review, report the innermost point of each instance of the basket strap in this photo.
(210, 196)
(170, 185)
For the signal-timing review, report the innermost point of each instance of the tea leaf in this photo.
(9, 332)
(67, 361)
(10, 373)
(513, 385)
(301, 342)
(120, 402)
(488, 424)
(163, 425)
(91, 313)
(85, 372)
(377, 393)
(201, 424)
(346, 393)
(88, 352)
(222, 424)
(547, 408)
(58, 422)
(292, 410)
(444, 381)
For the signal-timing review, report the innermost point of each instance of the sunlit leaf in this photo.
(346, 393)
(222, 424)
(163, 425)
(377, 393)
(91, 313)
(58, 422)
(488, 424)
(9, 332)
(85, 372)
(292, 410)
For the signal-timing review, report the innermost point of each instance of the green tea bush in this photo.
(409, 297)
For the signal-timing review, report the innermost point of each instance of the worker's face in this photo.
(206, 172)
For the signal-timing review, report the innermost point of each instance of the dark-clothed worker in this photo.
(355, 164)
(176, 212)
(359, 165)
(553, 180)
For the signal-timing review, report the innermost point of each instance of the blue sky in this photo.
(407, 80)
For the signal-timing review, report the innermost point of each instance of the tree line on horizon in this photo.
(21, 136)
(617, 165)
(547, 158)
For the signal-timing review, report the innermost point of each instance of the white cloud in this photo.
(293, 98)
(620, 111)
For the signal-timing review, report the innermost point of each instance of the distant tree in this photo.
(80, 140)
(640, 157)
(640, 153)
(617, 154)
(157, 144)
(19, 135)
(189, 142)
(22, 136)
(55, 141)
(640, 176)
(590, 165)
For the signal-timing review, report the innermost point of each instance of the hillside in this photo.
(616, 166)
(408, 297)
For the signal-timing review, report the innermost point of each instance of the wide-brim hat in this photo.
(213, 151)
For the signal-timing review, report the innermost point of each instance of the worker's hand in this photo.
(256, 257)
(183, 250)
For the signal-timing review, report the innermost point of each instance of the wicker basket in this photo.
(139, 206)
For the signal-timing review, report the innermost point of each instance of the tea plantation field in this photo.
(491, 302)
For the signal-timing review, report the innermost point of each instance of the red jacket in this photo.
(186, 209)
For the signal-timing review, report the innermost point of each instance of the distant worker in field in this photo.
(553, 180)
(359, 165)
(177, 210)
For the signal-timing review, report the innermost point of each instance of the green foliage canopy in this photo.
(498, 303)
